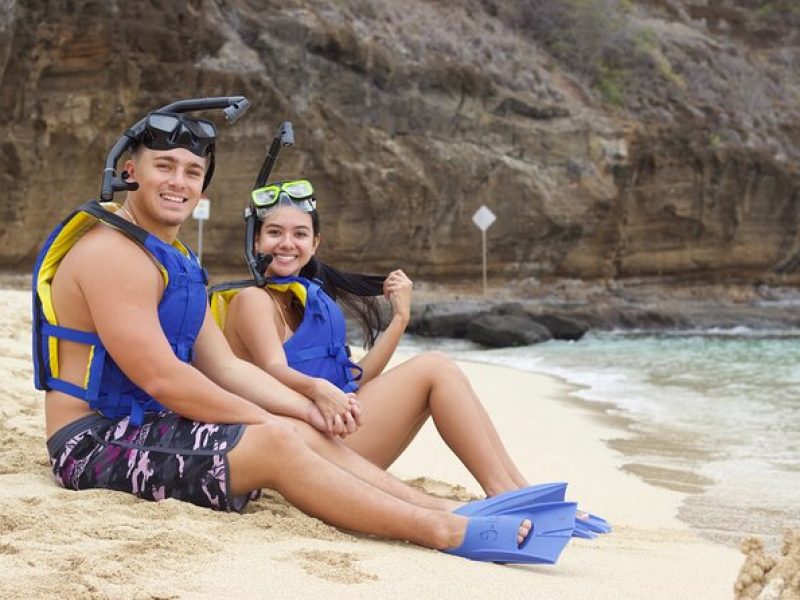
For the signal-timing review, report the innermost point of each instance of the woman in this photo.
(260, 324)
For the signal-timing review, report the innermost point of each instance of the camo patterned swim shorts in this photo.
(166, 457)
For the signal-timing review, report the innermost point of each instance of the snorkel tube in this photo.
(233, 108)
(257, 263)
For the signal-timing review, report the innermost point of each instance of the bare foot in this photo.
(522, 533)
(524, 530)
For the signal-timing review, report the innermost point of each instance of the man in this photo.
(145, 396)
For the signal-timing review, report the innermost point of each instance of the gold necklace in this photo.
(287, 331)
(127, 212)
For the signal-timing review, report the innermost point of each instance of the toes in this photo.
(524, 530)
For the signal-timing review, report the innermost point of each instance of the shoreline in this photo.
(64, 544)
(629, 443)
(660, 451)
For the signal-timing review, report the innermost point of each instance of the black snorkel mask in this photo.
(168, 128)
(257, 263)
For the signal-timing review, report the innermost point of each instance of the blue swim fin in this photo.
(582, 532)
(534, 494)
(514, 500)
(494, 538)
(591, 526)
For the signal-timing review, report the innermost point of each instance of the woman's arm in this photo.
(252, 321)
(214, 358)
(397, 288)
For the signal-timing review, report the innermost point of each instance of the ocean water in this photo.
(714, 413)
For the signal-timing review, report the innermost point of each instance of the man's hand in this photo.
(332, 403)
(334, 412)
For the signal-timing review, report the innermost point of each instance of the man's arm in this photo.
(214, 357)
(122, 290)
(252, 319)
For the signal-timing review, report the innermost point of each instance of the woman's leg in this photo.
(335, 451)
(397, 403)
(494, 437)
(274, 455)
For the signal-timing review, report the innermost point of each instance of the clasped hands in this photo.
(333, 411)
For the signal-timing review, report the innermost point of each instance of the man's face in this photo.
(170, 185)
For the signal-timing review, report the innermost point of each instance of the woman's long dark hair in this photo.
(356, 292)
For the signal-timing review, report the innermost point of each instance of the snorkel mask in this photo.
(168, 128)
(297, 194)
(265, 198)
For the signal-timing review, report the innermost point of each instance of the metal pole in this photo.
(200, 240)
(483, 240)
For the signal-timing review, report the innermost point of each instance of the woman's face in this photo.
(287, 235)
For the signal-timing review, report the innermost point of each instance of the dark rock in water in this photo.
(510, 308)
(650, 319)
(454, 319)
(444, 319)
(562, 328)
(506, 330)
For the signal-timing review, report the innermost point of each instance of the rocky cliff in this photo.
(612, 139)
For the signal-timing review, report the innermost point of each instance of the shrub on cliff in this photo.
(595, 39)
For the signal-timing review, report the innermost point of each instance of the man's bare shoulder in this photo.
(102, 237)
(108, 254)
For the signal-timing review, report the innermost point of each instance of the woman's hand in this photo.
(342, 426)
(340, 412)
(355, 410)
(397, 289)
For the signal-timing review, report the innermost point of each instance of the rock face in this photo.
(409, 116)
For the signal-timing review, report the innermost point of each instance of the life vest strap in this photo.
(355, 367)
(66, 387)
(73, 335)
(137, 414)
(318, 352)
(342, 355)
(183, 352)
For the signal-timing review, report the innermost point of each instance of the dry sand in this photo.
(56, 543)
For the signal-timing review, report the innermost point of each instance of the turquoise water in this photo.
(718, 410)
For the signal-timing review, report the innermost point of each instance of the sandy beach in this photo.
(97, 544)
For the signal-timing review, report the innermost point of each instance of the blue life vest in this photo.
(318, 347)
(180, 312)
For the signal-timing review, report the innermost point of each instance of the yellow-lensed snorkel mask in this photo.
(298, 194)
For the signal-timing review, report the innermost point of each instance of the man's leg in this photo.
(337, 452)
(275, 456)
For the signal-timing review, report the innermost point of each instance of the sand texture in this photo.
(56, 543)
(766, 577)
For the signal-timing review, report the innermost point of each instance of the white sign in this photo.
(483, 218)
(203, 210)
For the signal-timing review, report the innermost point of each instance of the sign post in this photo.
(201, 213)
(483, 219)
